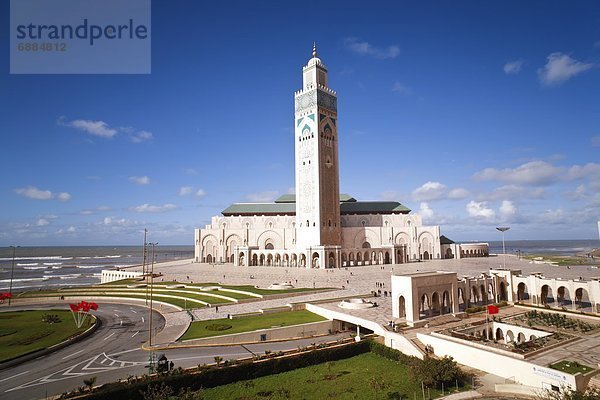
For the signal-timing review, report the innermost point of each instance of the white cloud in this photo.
(532, 173)
(32, 192)
(200, 193)
(480, 210)
(400, 88)
(507, 208)
(429, 191)
(458, 193)
(141, 137)
(596, 141)
(95, 128)
(147, 208)
(185, 190)
(42, 222)
(140, 180)
(262, 197)
(513, 67)
(589, 170)
(63, 196)
(112, 221)
(71, 229)
(425, 211)
(514, 191)
(578, 194)
(366, 49)
(104, 130)
(560, 68)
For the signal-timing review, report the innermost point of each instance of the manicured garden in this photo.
(190, 296)
(226, 326)
(22, 332)
(366, 376)
(571, 367)
(363, 370)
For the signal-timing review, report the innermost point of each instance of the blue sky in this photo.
(476, 114)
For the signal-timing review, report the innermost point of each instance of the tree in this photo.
(89, 383)
(432, 371)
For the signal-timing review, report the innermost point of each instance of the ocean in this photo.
(547, 247)
(43, 267)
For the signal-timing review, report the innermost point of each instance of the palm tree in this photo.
(218, 360)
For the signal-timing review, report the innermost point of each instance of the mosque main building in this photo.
(319, 227)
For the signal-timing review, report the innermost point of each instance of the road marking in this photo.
(121, 323)
(14, 376)
(77, 352)
(135, 333)
(109, 335)
(116, 315)
(133, 311)
(142, 320)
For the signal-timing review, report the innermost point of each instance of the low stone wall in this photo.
(268, 335)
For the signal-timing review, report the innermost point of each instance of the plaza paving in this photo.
(345, 282)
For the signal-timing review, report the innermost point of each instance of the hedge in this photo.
(213, 376)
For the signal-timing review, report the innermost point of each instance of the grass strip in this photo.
(199, 329)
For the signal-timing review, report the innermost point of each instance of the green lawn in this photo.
(22, 332)
(344, 379)
(218, 327)
(571, 367)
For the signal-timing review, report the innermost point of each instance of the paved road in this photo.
(113, 352)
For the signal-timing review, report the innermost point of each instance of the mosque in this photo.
(319, 227)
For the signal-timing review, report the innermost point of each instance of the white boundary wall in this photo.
(504, 366)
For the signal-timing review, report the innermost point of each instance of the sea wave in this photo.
(24, 280)
(36, 258)
(51, 264)
(34, 267)
(26, 264)
(91, 266)
(70, 276)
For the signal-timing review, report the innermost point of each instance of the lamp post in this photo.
(151, 292)
(12, 272)
(503, 229)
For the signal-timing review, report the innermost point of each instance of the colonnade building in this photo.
(319, 227)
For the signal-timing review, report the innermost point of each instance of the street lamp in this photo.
(12, 272)
(151, 292)
(503, 229)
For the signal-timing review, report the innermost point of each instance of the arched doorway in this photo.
(449, 253)
(426, 255)
(209, 258)
(254, 259)
(582, 299)
(425, 306)
(563, 298)
(446, 303)
(522, 293)
(435, 304)
(546, 295)
(402, 307)
(315, 260)
(503, 293)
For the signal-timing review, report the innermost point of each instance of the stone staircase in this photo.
(594, 382)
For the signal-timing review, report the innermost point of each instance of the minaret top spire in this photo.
(314, 49)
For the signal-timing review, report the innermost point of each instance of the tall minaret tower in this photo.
(317, 173)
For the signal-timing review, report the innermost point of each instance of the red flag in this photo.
(493, 309)
(74, 307)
